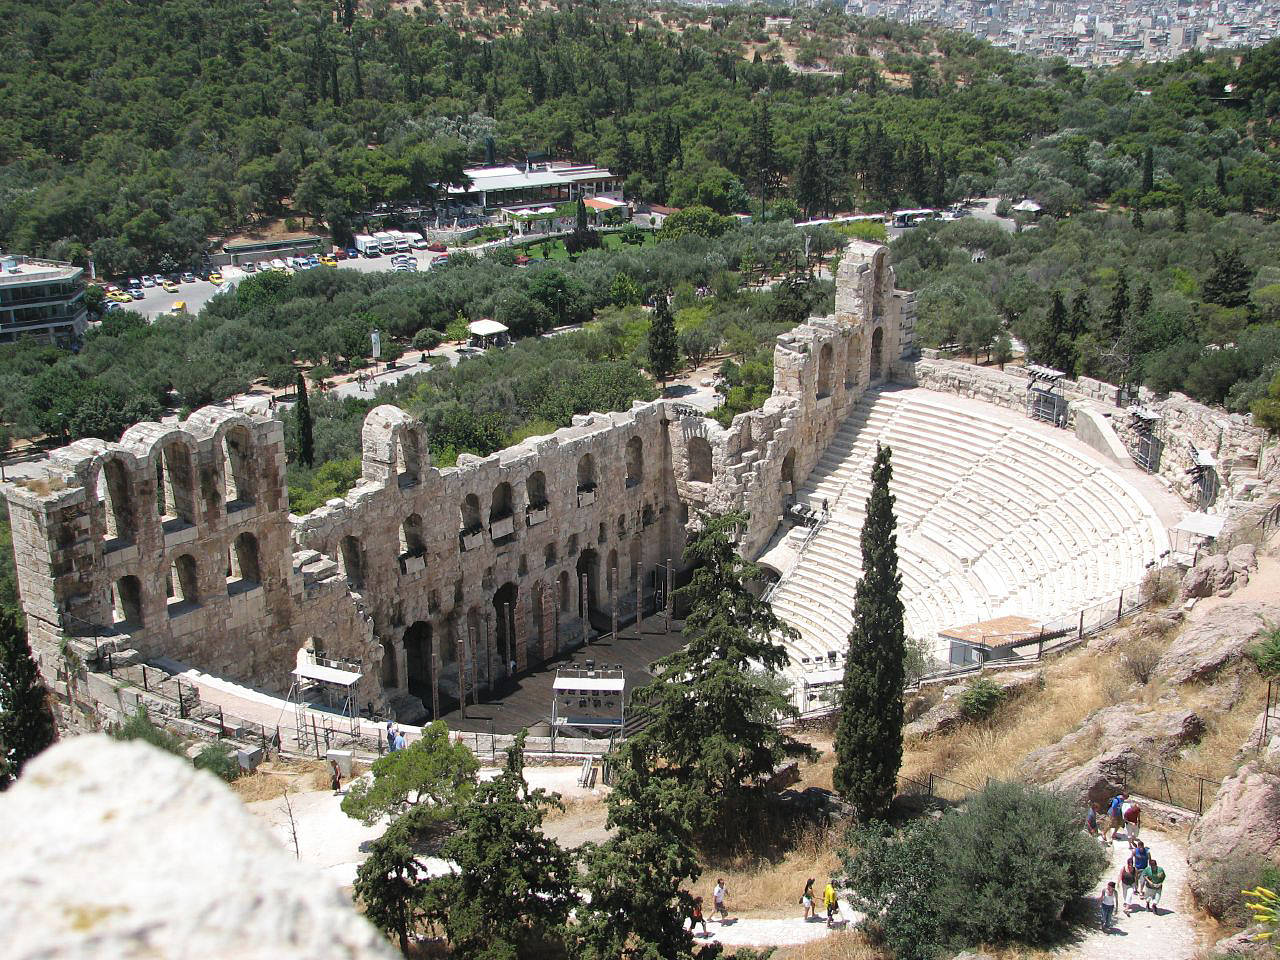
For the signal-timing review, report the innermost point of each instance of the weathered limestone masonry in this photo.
(1239, 448)
(177, 541)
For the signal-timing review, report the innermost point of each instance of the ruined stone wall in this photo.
(177, 541)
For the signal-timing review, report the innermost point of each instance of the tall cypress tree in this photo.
(808, 177)
(1059, 344)
(1148, 171)
(663, 350)
(306, 429)
(1117, 314)
(26, 722)
(766, 161)
(869, 735)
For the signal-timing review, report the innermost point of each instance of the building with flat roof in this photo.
(554, 182)
(41, 298)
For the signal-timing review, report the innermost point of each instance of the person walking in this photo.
(806, 899)
(1107, 901)
(1152, 885)
(1091, 821)
(831, 902)
(1128, 884)
(1132, 821)
(1115, 816)
(1141, 857)
(391, 737)
(335, 778)
(717, 900)
(696, 917)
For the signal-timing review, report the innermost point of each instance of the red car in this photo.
(522, 260)
(435, 246)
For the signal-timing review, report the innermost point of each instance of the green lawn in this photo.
(557, 251)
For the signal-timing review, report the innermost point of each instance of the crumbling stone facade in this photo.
(177, 541)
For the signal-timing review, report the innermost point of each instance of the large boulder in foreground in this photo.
(1222, 636)
(120, 850)
(1235, 838)
(1092, 762)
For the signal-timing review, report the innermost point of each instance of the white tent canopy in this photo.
(486, 328)
(1202, 524)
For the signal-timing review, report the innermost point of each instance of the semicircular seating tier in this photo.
(995, 518)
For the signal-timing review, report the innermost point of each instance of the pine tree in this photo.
(664, 352)
(1180, 218)
(514, 886)
(715, 704)
(869, 733)
(1059, 345)
(1229, 281)
(1220, 177)
(26, 722)
(1148, 171)
(1138, 223)
(1117, 314)
(636, 906)
(389, 884)
(1081, 315)
(306, 429)
(766, 161)
(808, 177)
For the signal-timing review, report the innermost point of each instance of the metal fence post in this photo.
(222, 723)
(144, 678)
(182, 710)
(1120, 606)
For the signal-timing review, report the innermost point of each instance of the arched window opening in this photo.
(500, 504)
(853, 362)
(549, 555)
(788, 477)
(698, 451)
(637, 558)
(536, 490)
(586, 474)
(351, 561)
(116, 503)
(412, 543)
(126, 602)
(470, 513)
(877, 353)
(417, 658)
(539, 629)
(237, 468)
(245, 569)
(826, 360)
(504, 608)
(408, 459)
(183, 586)
(388, 672)
(175, 484)
(611, 573)
(566, 593)
(635, 461)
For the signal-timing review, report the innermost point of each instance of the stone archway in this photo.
(877, 354)
(504, 608)
(417, 653)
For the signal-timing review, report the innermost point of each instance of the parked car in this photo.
(133, 282)
(435, 246)
(329, 260)
(148, 280)
(188, 277)
(249, 267)
(215, 276)
(135, 294)
(179, 306)
(353, 253)
(168, 286)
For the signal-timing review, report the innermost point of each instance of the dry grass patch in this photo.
(846, 945)
(1225, 730)
(1074, 687)
(771, 887)
(271, 780)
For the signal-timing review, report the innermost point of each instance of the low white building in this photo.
(41, 298)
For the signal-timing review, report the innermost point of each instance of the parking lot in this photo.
(156, 301)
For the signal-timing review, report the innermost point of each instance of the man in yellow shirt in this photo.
(831, 902)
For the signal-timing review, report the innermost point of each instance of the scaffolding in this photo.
(1204, 471)
(1043, 403)
(1150, 447)
(589, 697)
(328, 685)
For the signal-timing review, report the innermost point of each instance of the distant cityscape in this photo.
(1092, 34)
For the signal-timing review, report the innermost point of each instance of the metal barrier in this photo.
(1174, 787)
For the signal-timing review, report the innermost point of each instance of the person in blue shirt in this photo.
(1115, 812)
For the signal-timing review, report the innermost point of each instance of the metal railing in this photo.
(1167, 785)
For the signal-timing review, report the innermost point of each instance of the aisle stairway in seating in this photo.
(994, 518)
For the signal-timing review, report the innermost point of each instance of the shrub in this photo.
(1266, 652)
(981, 699)
(138, 726)
(1002, 870)
(1139, 661)
(219, 760)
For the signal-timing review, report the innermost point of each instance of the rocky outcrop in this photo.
(1220, 573)
(948, 713)
(119, 850)
(1222, 636)
(1243, 946)
(1095, 760)
(1236, 837)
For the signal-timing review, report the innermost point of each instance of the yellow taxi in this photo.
(179, 306)
(215, 277)
(169, 286)
(329, 260)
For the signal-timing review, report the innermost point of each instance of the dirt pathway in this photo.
(1171, 933)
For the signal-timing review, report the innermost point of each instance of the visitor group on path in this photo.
(1141, 877)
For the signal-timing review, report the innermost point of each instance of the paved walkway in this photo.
(1171, 933)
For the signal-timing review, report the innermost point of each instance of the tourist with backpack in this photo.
(831, 902)
(1115, 816)
(696, 917)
